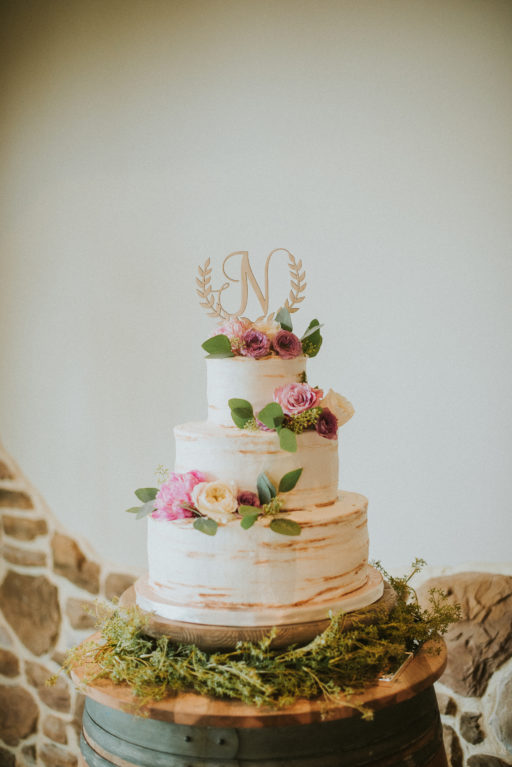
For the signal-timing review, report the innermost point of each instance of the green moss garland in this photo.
(337, 662)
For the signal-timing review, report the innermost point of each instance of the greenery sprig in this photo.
(339, 662)
(272, 417)
(221, 346)
(147, 495)
(271, 504)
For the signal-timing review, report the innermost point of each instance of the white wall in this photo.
(372, 139)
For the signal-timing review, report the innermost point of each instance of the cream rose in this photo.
(270, 327)
(338, 405)
(216, 500)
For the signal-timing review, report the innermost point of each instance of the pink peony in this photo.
(327, 424)
(255, 344)
(287, 345)
(235, 330)
(232, 328)
(247, 498)
(176, 494)
(295, 398)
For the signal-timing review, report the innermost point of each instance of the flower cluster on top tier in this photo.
(263, 338)
(297, 407)
(214, 503)
(260, 339)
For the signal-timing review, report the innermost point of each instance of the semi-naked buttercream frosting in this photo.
(255, 576)
(225, 452)
(253, 380)
(262, 578)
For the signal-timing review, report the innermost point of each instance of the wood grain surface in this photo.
(419, 673)
(208, 637)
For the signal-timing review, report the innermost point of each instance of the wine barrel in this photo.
(408, 734)
(192, 731)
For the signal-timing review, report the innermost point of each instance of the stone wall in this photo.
(47, 577)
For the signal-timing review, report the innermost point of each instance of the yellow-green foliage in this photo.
(336, 662)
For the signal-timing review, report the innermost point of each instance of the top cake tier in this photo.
(249, 379)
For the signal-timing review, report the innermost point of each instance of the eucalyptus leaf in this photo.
(218, 345)
(287, 440)
(145, 510)
(206, 526)
(243, 412)
(249, 520)
(312, 340)
(134, 509)
(146, 493)
(313, 326)
(240, 403)
(240, 417)
(284, 318)
(285, 526)
(221, 356)
(271, 416)
(266, 490)
(244, 509)
(289, 480)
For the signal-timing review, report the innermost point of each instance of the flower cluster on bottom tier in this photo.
(261, 578)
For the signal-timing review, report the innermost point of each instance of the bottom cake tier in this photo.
(257, 577)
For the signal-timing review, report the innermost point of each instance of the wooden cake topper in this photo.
(211, 298)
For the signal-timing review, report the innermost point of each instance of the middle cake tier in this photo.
(230, 454)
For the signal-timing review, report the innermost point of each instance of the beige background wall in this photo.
(370, 138)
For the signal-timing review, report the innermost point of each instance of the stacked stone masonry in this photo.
(47, 578)
(48, 586)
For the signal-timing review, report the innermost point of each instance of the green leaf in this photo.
(313, 326)
(146, 493)
(206, 526)
(289, 481)
(266, 490)
(243, 404)
(284, 318)
(287, 440)
(240, 417)
(243, 510)
(312, 340)
(218, 346)
(249, 520)
(285, 526)
(272, 415)
(145, 510)
(241, 411)
(219, 356)
(134, 509)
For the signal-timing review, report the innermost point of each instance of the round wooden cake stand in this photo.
(189, 730)
(208, 637)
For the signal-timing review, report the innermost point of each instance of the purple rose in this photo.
(247, 498)
(287, 345)
(255, 344)
(327, 424)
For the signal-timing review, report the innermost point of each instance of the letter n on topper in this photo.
(211, 298)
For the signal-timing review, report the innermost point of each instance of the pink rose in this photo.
(176, 494)
(295, 398)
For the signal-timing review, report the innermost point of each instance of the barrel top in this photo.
(418, 673)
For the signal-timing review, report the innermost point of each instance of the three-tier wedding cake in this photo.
(251, 529)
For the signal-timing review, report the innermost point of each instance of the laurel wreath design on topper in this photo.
(211, 298)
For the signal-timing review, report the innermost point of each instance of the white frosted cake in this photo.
(251, 529)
